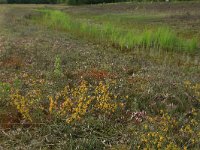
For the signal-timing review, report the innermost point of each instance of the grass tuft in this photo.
(160, 38)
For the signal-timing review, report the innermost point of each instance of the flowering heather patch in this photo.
(83, 81)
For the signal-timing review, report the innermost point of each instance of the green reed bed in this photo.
(160, 38)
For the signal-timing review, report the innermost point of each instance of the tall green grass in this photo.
(161, 38)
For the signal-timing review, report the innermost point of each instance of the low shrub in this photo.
(70, 104)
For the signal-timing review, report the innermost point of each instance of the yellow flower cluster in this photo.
(152, 140)
(173, 146)
(74, 103)
(70, 104)
(195, 89)
(103, 99)
(166, 132)
(24, 104)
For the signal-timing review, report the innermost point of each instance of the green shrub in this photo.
(57, 66)
(4, 92)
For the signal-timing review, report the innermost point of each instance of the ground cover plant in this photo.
(79, 78)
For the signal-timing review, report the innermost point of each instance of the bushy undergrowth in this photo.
(70, 104)
(161, 38)
(60, 92)
(84, 106)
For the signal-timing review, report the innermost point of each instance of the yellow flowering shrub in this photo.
(195, 88)
(22, 104)
(25, 104)
(166, 132)
(69, 104)
(74, 103)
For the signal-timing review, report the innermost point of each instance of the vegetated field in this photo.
(111, 76)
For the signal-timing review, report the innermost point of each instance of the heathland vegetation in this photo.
(76, 2)
(160, 38)
(112, 76)
(73, 2)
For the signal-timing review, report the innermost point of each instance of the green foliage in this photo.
(5, 89)
(192, 44)
(4, 92)
(57, 66)
(160, 38)
(3, 1)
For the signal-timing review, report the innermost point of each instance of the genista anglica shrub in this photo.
(72, 103)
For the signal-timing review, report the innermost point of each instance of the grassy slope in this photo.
(150, 79)
(159, 38)
(145, 15)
